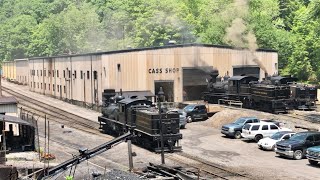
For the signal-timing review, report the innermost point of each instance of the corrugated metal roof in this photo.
(14, 119)
(8, 100)
(153, 48)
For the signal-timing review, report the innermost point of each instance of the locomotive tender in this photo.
(120, 115)
(275, 94)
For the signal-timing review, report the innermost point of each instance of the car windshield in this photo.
(277, 136)
(299, 137)
(189, 107)
(240, 121)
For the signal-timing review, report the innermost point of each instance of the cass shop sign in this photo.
(163, 70)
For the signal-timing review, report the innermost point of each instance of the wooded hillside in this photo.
(51, 27)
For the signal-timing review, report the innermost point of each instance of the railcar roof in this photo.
(238, 78)
(136, 99)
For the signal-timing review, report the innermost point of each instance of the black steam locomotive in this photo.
(274, 94)
(120, 115)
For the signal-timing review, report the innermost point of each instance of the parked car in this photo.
(182, 116)
(269, 143)
(196, 112)
(234, 129)
(257, 131)
(313, 155)
(297, 145)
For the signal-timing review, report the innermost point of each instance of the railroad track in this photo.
(40, 108)
(212, 170)
(58, 115)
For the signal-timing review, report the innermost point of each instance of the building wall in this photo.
(9, 70)
(139, 70)
(82, 78)
(22, 75)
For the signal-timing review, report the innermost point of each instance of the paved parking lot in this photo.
(209, 143)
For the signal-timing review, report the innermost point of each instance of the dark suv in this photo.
(196, 112)
(297, 145)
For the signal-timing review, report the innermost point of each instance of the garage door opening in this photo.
(247, 71)
(194, 82)
(167, 87)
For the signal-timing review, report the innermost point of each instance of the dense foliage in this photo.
(52, 27)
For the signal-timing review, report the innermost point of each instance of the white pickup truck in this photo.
(257, 131)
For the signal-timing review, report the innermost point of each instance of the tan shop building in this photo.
(179, 69)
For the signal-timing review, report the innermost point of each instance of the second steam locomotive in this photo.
(139, 115)
(275, 94)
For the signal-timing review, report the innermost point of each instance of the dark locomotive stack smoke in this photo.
(239, 36)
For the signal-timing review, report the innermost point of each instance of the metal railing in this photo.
(230, 102)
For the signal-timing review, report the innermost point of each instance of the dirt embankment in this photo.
(227, 115)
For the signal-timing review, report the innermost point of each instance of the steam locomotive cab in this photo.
(239, 89)
(139, 114)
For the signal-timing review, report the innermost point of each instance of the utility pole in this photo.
(160, 97)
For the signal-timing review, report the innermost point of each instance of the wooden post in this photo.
(4, 140)
(48, 141)
(130, 155)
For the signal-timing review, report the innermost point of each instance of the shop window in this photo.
(119, 67)
(95, 75)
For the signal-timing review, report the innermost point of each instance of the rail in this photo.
(230, 102)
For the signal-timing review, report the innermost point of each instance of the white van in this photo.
(257, 131)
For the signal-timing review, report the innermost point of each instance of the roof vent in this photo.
(133, 97)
